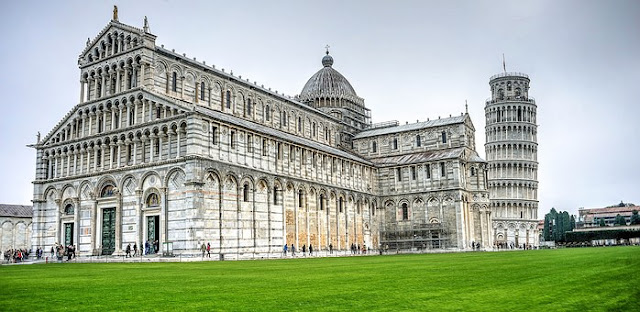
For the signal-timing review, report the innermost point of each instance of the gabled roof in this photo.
(17, 211)
(113, 24)
(413, 126)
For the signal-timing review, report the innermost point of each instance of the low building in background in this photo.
(597, 217)
(15, 232)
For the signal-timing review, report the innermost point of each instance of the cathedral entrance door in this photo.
(108, 230)
(68, 234)
(153, 230)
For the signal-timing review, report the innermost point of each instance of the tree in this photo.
(620, 220)
(602, 222)
(635, 218)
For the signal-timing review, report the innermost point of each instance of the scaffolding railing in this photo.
(417, 235)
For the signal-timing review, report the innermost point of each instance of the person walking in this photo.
(203, 248)
(135, 249)
(208, 250)
(284, 249)
(330, 248)
(128, 251)
(293, 250)
(310, 249)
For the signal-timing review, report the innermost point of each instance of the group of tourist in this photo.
(135, 250)
(506, 245)
(356, 249)
(16, 255)
(151, 247)
(285, 249)
(60, 251)
(206, 248)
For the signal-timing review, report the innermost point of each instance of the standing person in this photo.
(135, 249)
(146, 247)
(293, 250)
(52, 251)
(304, 249)
(310, 249)
(203, 248)
(284, 249)
(330, 248)
(208, 250)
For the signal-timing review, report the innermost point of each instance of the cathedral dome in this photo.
(327, 83)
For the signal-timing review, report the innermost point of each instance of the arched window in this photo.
(276, 195)
(202, 90)
(132, 117)
(473, 171)
(247, 112)
(518, 91)
(313, 130)
(153, 200)
(321, 201)
(99, 158)
(395, 143)
(174, 82)
(443, 171)
(228, 99)
(418, 142)
(374, 147)
(267, 113)
(500, 94)
(299, 124)
(405, 212)
(156, 149)
(509, 86)
(100, 123)
(444, 137)
(107, 191)
(300, 199)
(68, 209)
(245, 193)
(283, 119)
(519, 114)
(341, 204)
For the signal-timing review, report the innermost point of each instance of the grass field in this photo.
(584, 279)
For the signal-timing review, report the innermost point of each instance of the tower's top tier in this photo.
(509, 86)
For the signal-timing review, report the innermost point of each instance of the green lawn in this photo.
(582, 279)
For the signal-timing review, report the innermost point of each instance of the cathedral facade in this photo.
(167, 151)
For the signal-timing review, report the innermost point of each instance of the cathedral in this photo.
(165, 151)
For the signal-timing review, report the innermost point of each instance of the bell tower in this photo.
(512, 155)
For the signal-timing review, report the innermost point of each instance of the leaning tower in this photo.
(512, 150)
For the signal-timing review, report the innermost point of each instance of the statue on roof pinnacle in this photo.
(115, 13)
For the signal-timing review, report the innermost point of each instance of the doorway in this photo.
(68, 234)
(153, 233)
(108, 231)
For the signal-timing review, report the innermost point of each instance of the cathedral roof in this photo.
(328, 83)
(19, 211)
(410, 127)
(280, 134)
(417, 158)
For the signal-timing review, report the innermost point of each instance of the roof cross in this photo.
(327, 47)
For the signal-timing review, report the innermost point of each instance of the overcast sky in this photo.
(409, 60)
